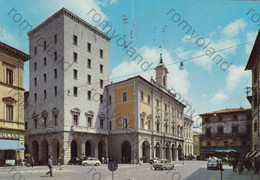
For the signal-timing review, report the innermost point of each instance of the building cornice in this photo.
(72, 16)
(24, 57)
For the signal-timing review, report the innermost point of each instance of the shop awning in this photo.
(257, 154)
(8, 144)
(226, 150)
(252, 154)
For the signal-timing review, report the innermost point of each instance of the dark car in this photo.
(75, 161)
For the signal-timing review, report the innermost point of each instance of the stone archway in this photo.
(126, 152)
(180, 152)
(101, 150)
(90, 148)
(44, 151)
(35, 151)
(158, 150)
(55, 151)
(146, 151)
(167, 151)
(73, 149)
(173, 152)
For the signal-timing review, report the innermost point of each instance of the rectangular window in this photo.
(75, 57)
(44, 61)
(55, 73)
(101, 53)
(89, 79)
(101, 83)
(25, 125)
(158, 127)
(207, 119)
(45, 94)
(89, 121)
(55, 55)
(149, 125)
(45, 122)
(44, 45)
(101, 98)
(89, 63)
(75, 74)
(101, 68)
(101, 123)
(124, 96)
(35, 66)
(110, 99)
(255, 126)
(234, 129)
(89, 95)
(45, 78)
(255, 75)
(110, 125)
(148, 99)
(208, 132)
(142, 123)
(157, 102)
(55, 38)
(9, 112)
(89, 47)
(55, 91)
(75, 40)
(125, 123)
(75, 91)
(142, 96)
(165, 108)
(9, 76)
(55, 120)
(243, 143)
(220, 130)
(35, 123)
(35, 97)
(35, 50)
(208, 143)
(75, 120)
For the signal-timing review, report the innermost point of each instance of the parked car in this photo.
(213, 163)
(91, 161)
(163, 165)
(74, 161)
(155, 160)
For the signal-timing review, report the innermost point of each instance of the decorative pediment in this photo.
(149, 117)
(102, 115)
(44, 114)
(142, 114)
(55, 111)
(89, 113)
(75, 110)
(35, 116)
(9, 99)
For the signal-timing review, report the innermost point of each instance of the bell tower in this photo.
(161, 73)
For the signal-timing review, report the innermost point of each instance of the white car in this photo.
(91, 161)
(213, 163)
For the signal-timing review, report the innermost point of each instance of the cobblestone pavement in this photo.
(190, 170)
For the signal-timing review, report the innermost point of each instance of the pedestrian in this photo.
(240, 166)
(50, 166)
(103, 160)
(256, 166)
(247, 164)
(32, 161)
(60, 162)
(234, 163)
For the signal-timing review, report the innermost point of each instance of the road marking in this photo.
(215, 176)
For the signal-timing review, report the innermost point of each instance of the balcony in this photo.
(88, 130)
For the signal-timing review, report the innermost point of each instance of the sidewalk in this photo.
(228, 174)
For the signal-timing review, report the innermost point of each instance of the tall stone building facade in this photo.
(188, 135)
(254, 99)
(11, 102)
(226, 130)
(69, 67)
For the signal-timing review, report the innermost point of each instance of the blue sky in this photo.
(202, 82)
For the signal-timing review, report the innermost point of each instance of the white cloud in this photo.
(219, 98)
(8, 38)
(176, 79)
(234, 28)
(251, 36)
(236, 75)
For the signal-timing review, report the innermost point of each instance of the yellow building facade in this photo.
(145, 120)
(11, 103)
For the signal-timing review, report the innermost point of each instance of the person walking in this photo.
(256, 166)
(234, 163)
(60, 162)
(240, 166)
(32, 161)
(50, 166)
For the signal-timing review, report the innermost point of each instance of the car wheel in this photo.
(164, 168)
(96, 164)
(155, 168)
(171, 168)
